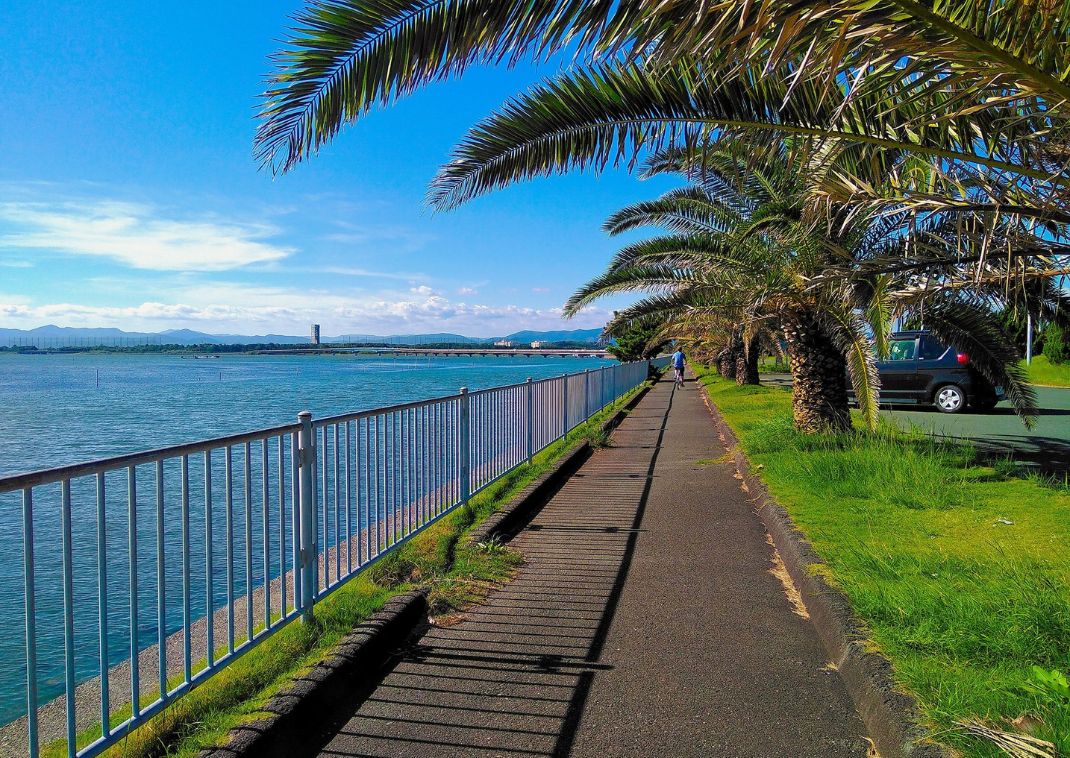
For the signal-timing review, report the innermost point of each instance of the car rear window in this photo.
(902, 350)
(931, 349)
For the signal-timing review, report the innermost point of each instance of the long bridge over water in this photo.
(594, 352)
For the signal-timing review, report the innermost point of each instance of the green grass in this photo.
(1042, 372)
(439, 559)
(962, 602)
(770, 364)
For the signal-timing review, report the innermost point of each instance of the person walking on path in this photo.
(678, 366)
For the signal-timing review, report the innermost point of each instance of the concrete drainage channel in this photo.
(356, 662)
(890, 715)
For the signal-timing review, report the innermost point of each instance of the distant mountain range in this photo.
(66, 336)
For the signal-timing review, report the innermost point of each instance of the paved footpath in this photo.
(645, 622)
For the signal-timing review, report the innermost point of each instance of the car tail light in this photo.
(963, 358)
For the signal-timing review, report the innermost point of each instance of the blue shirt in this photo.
(678, 359)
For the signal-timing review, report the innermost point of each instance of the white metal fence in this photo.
(179, 560)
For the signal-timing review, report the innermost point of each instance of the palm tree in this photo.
(741, 251)
(962, 103)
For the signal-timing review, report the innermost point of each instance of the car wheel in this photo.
(949, 399)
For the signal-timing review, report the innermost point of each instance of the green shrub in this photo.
(1055, 347)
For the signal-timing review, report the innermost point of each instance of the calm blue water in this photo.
(65, 409)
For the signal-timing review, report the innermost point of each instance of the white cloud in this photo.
(467, 291)
(138, 235)
(222, 307)
(365, 273)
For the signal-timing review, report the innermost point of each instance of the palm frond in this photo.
(685, 210)
(608, 114)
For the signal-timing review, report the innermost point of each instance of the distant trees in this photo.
(638, 340)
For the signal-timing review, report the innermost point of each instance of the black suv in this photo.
(920, 370)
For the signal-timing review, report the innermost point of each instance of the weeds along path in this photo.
(646, 621)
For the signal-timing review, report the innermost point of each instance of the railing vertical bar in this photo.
(209, 600)
(349, 499)
(399, 476)
(30, 622)
(161, 583)
(365, 530)
(187, 662)
(68, 615)
(265, 528)
(403, 514)
(102, 604)
(281, 527)
(389, 477)
(425, 458)
(375, 473)
(399, 457)
(228, 508)
(337, 509)
(325, 537)
(414, 516)
(248, 476)
(135, 684)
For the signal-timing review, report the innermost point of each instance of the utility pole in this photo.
(1028, 338)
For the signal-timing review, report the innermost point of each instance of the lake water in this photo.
(61, 409)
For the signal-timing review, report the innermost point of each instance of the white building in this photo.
(536, 345)
(503, 343)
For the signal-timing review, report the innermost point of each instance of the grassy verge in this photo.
(1042, 372)
(770, 364)
(455, 574)
(961, 574)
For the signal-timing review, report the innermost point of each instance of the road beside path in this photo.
(996, 433)
(646, 621)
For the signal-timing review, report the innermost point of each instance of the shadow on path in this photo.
(513, 676)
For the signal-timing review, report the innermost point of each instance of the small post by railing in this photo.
(531, 419)
(586, 394)
(307, 505)
(465, 452)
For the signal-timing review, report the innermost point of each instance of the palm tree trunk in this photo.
(746, 368)
(729, 358)
(819, 376)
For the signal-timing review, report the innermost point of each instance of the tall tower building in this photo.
(315, 334)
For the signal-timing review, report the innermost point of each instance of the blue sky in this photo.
(129, 196)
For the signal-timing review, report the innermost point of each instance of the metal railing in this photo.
(174, 562)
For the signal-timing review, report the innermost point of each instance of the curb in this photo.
(506, 521)
(354, 662)
(891, 716)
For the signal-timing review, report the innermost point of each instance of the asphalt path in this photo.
(996, 433)
(648, 620)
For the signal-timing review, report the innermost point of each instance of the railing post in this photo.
(531, 419)
(307, 506)
(586, 394)
(465, 442)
